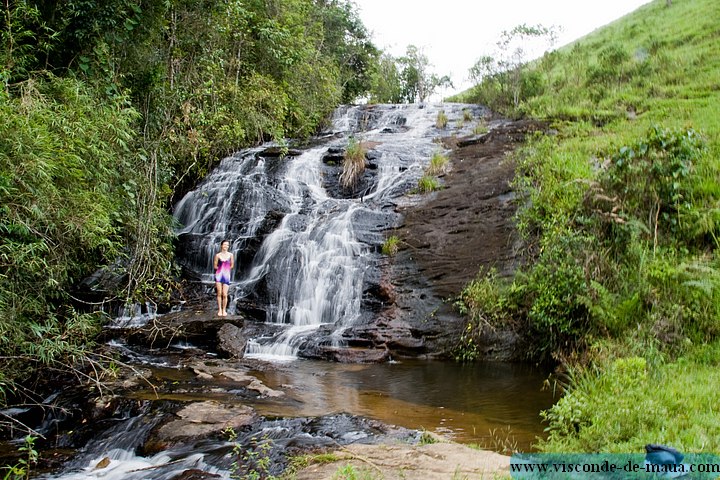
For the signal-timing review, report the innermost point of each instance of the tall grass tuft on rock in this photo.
(438, 164)
(391, 246)
(481, 127)
(353, 163)
(442, 120)
(428, 184)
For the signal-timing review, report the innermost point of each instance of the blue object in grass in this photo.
(662, 455)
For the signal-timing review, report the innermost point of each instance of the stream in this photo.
(310, 285)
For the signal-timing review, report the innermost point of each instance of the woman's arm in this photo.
(215, 261)
(232, 261)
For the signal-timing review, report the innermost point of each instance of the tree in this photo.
(440, 82)
(484, 68)
(387, 85)
(347, 41)
(507, 67)
(414, 75)
(109, 108)
(513, 45)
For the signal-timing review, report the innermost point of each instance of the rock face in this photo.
(459, 231)
(447, 238)
(467, 227)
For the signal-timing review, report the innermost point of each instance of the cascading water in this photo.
(113, 456)
(318, 240)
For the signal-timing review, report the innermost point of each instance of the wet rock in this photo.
(136, 377)
(195, 474)
(355, 355)
(373, 156)
(334, 156)
(371, 227)
(231, 340)
(202, 375)
(235, 372)
(386, 291)
(473, 140)
(252, 383)
(251, 246)
(201, 419)
(193, 326)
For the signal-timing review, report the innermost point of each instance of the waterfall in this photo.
(303, 245)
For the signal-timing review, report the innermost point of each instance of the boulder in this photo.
(231, 340)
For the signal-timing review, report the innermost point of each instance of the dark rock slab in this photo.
(231, 340)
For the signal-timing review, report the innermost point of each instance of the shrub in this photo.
(651, 181)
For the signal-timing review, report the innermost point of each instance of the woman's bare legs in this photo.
(225, 288)
(220, 289)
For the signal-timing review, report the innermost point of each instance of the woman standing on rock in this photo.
(223, 263)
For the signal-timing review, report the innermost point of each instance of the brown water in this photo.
(495, 405)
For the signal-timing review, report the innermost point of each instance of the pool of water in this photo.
(495, 405)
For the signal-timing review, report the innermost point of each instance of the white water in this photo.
(125, 465)
(312, 264)
(116, 450)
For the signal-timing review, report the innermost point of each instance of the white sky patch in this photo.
(453, 34)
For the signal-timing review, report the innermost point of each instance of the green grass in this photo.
(438, 164)
(391, 245)
(349, 472)
(621, 219)
(442, 120)
(623, 404)
(428, 184)
(480, 128)
(300, 462)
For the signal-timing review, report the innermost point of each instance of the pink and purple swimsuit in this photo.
(222, 272)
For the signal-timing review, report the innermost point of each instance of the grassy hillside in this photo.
(620, 215)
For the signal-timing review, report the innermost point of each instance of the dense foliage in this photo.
(620, 217)
(109, 110)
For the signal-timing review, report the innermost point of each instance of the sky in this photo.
(454, 34)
